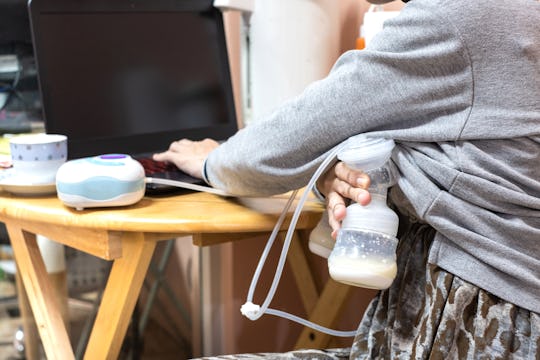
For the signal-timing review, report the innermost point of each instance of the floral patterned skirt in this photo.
(429, 313)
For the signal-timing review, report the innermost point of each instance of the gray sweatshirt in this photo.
(457, 85)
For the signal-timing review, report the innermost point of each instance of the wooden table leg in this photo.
(31, 336)
(323, 309)
(302, 272)
(120, 296)
(325, 313)
(40, 294)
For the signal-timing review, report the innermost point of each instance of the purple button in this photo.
(112, 156)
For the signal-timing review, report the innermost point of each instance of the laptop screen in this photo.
(132, 76)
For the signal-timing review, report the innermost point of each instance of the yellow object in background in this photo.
(5, 157)
(4, 145)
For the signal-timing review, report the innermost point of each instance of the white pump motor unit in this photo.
(100, 181)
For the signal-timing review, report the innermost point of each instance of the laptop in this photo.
(132, 76)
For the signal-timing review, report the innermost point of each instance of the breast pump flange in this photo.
(364, 254)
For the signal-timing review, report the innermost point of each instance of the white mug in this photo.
(37, 157)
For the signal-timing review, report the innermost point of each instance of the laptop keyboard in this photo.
(153, 167)
(164, 170)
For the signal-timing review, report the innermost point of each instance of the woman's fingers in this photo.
(188, 155)
(348, 191)
(351, 184)
(344, 184)
(336, 208)
(355, 178)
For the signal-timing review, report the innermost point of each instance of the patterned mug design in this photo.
(39, 147)
(39, 152)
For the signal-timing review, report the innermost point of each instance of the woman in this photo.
(456, 84)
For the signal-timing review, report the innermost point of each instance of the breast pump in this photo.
(364, 253)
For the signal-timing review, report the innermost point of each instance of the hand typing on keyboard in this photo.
(187, 155)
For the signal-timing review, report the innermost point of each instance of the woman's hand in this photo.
(339, 184)
(187, 155)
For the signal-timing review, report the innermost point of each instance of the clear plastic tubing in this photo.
(253, 311)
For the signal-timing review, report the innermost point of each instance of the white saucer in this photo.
(19, 184)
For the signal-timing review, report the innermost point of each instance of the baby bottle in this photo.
(365, 250)
(320, 238)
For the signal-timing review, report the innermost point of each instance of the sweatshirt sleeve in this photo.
(409, 82)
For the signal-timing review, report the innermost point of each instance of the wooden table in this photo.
(128, 236)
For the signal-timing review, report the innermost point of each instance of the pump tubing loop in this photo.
(253, 311)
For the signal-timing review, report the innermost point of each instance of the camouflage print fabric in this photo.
(432, 314)
(428, 313)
